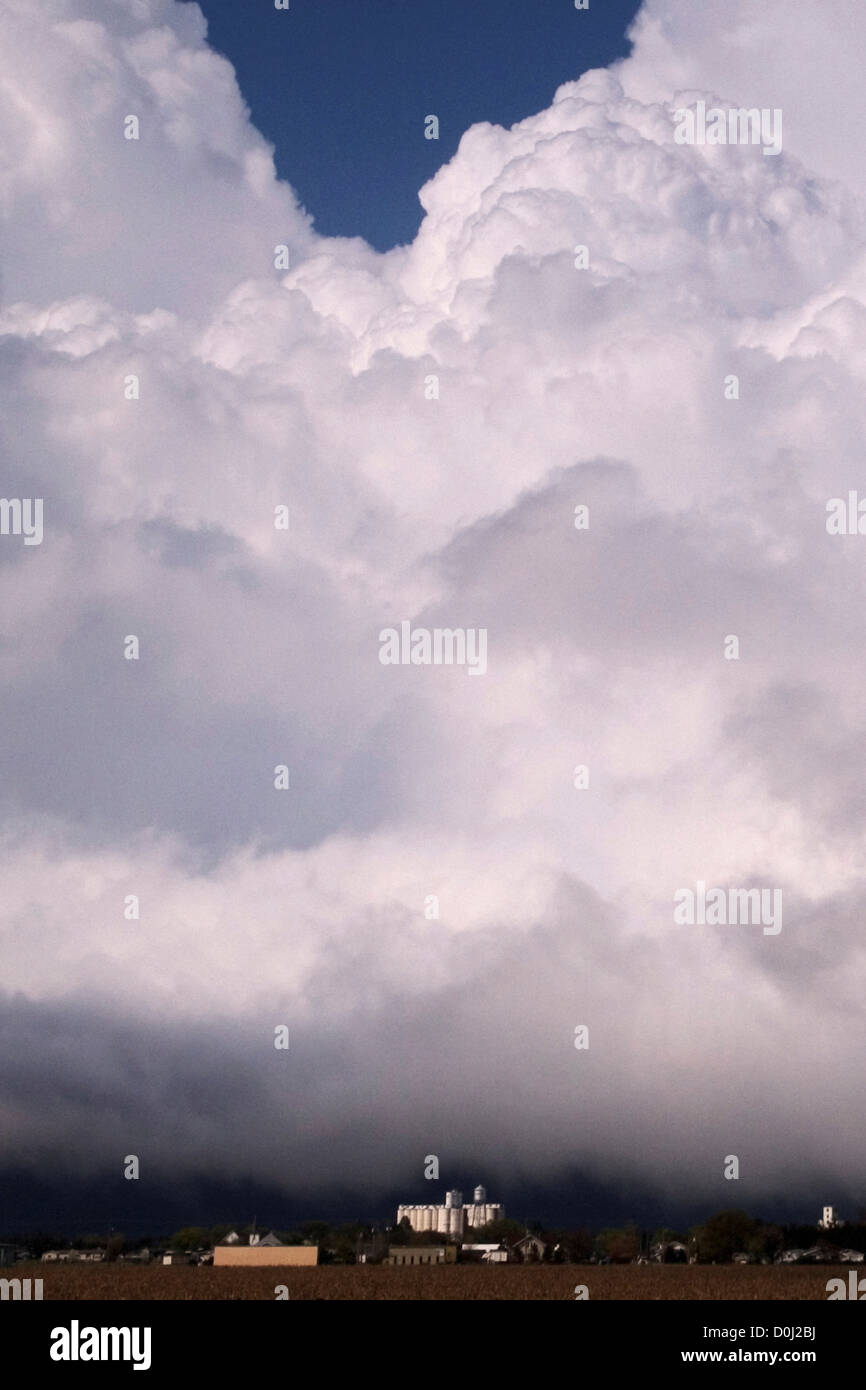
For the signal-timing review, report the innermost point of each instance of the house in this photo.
(421, 1255)
(742, 1257)
(670, 1252)
(269, 1241)
(528, 1250)
(821, 1255)
(252, 1239)
(816, 1255)
(177, 1257)
(851, 1257)
(487, 1254)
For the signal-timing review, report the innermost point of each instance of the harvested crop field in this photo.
(461, 1282)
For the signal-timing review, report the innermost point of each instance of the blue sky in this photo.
(342, 88)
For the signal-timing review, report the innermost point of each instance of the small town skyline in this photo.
(407, 1223)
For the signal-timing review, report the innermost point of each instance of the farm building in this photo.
(68, 1257)
(267, 1250)
(487, 1254)
(670, 1252)
(820, 1255)
(421, 1255)
(528, 1250)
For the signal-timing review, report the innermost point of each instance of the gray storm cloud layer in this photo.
(559, 387)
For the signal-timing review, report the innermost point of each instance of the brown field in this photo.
(347, 1282)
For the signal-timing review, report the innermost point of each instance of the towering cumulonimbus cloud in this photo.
(436, 901)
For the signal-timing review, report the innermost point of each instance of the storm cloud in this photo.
(444, 1029)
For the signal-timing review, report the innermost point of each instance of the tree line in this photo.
(715, 1240)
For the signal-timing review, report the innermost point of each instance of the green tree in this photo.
(504, 1231)
(116, 1245)
(190, 1238)
(40, 1241)
(317, 1232)
(290, 1237)
(765, 1241)
(722, 1235)
(401, 1234)
(578, 1245)
(664, 1235)
(620, 1244)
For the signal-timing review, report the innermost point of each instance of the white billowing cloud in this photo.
(558, 386)
(804, 59)
(171, 220)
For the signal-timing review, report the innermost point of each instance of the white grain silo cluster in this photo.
(452, 1218)
(480, 1212)
(420, 1217)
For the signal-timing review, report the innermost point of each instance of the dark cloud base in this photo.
(92, 1207)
